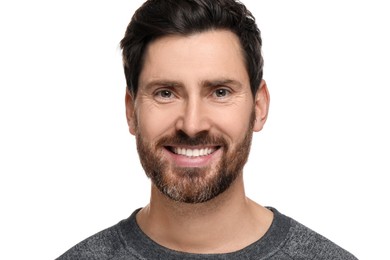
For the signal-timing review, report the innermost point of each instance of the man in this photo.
(195, 94)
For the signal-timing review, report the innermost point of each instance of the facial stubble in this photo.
(191, 184)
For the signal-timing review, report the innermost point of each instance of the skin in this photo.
(194, 84)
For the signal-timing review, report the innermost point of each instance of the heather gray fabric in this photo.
(285, 240)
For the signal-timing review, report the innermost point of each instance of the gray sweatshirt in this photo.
(286, 239)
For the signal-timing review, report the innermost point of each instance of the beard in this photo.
(193, 184)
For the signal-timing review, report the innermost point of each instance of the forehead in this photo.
(198, 57)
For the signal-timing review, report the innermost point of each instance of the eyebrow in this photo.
(203, 83)
(163, 83)
(221, 82)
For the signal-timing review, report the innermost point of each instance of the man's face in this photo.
(194, 114)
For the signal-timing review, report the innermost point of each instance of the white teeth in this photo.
(193, 152)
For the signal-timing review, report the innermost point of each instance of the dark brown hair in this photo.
(158, 18)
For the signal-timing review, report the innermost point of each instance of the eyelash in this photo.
(227, 92)
(164, 91)
(159, 94)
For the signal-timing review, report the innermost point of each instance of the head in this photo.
(159, 18)
(195, 93)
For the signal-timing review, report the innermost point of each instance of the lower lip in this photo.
(196, 162)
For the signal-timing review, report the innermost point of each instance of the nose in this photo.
(194, 117)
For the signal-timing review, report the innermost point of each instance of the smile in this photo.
(193, 152)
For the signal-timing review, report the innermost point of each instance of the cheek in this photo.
(154, 123)
(235, 122)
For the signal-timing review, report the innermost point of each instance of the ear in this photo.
(130, 113)
(262, 100)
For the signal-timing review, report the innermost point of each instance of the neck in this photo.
(224, 224)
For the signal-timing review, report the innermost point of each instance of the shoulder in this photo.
(304, 243)
(101, 245)
(106, 244)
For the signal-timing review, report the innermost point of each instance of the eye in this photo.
(221, 93)
(164, 94)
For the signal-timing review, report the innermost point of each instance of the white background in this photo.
(69, 167)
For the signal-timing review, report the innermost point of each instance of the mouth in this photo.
(193, 152)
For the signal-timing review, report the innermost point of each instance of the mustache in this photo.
(182, 139)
